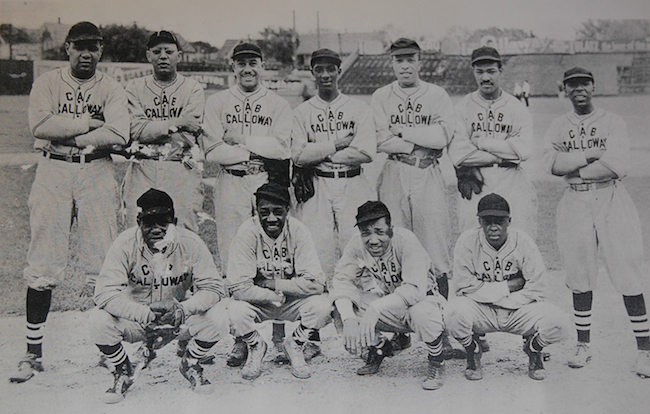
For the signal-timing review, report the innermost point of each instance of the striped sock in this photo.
(635, 306)
(536, 344)
(199, 349)
(582, 315)
(37, 309)
(252, 338)
(435, 348)
(115, 354)
(302, 334)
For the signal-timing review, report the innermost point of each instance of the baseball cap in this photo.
(244, 50)
(83, 31)
(578, 72)
(162, 36)
(273, 192)
(403, 46)
(493, 205)
(370, 211)
(485, 53)
(325, 56)
(155, 202)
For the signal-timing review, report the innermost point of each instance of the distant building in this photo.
(344, 44)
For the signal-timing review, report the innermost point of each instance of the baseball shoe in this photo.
(122, 381)
(399, 342)
(253, 366)
(581, 355)
(27, 368)
(642, 366)
(280, 358)
(239, 353)
(294, 352)
(536, 369)
(375, 356)
(435, 375)
(474, 371)
(310, 351)
(193, 372)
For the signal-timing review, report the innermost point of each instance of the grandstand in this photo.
(636, 77)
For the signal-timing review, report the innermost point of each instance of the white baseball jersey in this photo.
(595, 217)
(416, 196)
(330, 213)
(60, 107)
(160, 165)
(491, 133)
(264, 118)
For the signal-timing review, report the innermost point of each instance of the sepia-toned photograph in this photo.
(324, 207)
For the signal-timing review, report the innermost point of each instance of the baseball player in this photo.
(384, 282)
(589, 147)
(76, 114)
(495, 134)
(333, 134)
(142, 287)
(499, 279)
(166, 110)
(275, 274)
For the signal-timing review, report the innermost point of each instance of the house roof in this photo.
(226, 50)
(343, 43)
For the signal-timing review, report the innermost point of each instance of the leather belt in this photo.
(79, 159)
(504, 164)
(413, 161)
(242, 173)
(338, 174)
(591, 186)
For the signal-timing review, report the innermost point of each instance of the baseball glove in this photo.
(470, 181)
(168, 312)
(303, 183)
(278, 171)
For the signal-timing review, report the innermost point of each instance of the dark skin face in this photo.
(406, 69)
(83, 56)
(488, 78)
(580, 91)
(154, 228)
(327, 80)
(248, 71)
(376, 236)
(164, 58)
(495, 229)
(272, 216)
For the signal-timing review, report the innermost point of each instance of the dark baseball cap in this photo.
(486, 53)
(83, 31)
(155, 202)
(273, 192)
(246, 50)
(403, 46)
(493, 205)
(325, 56)
(578, 72)
(371, 211)
(162, 36)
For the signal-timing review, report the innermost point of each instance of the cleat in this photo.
(122, 381)
(253, 367)
(193, 372)
(280, 358)
(581, 355)
(294, 353)
(435, 375)
(642, 366)
(375, 356)
(311, 351)
(536, 369)
(474, 371)
(239, 353)
(27, 368)
(399, 342)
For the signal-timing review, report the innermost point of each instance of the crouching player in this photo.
(141, 293)
(385, 282)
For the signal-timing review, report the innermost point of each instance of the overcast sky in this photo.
(215, 21)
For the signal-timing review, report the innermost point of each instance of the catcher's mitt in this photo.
(278, 171)
(168, 312)
(303, 183)
(470, 181)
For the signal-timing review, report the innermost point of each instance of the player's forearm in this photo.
(568, 162)
(433, 136)
(225, 154)
(201, 301)
(299, 286)
(312, 153)
(118, 304)
(597, 171)
(248, 292)
(146, 131)
(268, 147)
(351, 156)
(57, 128)
(487, 292)
(479, 159)
(102, 137)
(395, 145)
(499, 148)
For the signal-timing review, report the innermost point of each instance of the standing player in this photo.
(499, 279)
(166, 110)
(274, 274)
(333, 134)
(589, 147)
(76, 114)
(496, 135)
(143, 285)
(384, 282)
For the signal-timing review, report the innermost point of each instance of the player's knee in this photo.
(100, 323)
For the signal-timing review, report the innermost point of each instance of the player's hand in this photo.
(367, 326)
(594, 155)
(396, 130)
(342, 143)
(280, 299)
(94, 124)
(161, 308)
(267, 283)
(187, 124)
(516, 282)
(232, 137)
(351, 335)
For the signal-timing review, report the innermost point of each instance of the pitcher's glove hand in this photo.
(470, 181)
(168, 312)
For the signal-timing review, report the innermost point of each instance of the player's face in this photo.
(488, 79)
(83, 56)
(580, 91)
(376, 237)
(248, 72)
(495, 229)
(164, 57)
(327, 76)
(272, 216)
(406, 68)
(154, 227)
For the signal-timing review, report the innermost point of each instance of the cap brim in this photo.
(85, 38)
(156, 211)
(405, 51)
(245, 55)
(326, 60)
(579, 76)
(370, 217)
(493, 213)
(486, 59)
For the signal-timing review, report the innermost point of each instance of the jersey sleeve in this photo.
(217, 150)
(440, 132)
(555, 160)
(348, 269)
(303, 152)
(309, 279)
(415, 263)
(208, 284)
(363, 147)
(461, 150)
(518, 145)
(277, 146)
(617, 154)
(386, 141)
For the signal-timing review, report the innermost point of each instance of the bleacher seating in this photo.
(636, 77)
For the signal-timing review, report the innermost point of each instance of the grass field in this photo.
(15, 184)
